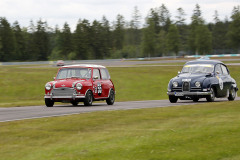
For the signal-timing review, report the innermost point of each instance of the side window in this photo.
(224, 69)
(104, 73)
(218, 69)
(96, 73)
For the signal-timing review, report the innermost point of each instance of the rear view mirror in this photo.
(95, 77)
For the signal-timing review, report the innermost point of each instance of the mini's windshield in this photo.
(198, 68)
(83, 73)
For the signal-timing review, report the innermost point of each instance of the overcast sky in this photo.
(57, 12)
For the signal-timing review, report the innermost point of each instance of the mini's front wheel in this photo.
(74, 103)
(49, 102)
(173, 99)
(88, 99)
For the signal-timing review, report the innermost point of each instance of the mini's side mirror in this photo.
(95, 77)
(178, 72)
(54, 78)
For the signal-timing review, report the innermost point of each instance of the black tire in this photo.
(74, 103)
(173, 99)
(211, 97)
(49, 102)
(195, 99)
(88, 99)
(111, 98)
(232, 94)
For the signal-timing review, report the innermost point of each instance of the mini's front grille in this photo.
(186, 86)
(63, 91)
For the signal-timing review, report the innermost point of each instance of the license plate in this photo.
(178, 94)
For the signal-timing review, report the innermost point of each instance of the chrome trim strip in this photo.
(190, 93)
(63, 97)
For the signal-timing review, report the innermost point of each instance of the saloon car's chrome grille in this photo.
(63, 91)
(186, 86)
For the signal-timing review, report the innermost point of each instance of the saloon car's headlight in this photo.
(198, 84)
(175, 84)
(48, 86)
(79, 86)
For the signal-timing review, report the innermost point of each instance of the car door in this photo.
(97, 84)
(219, 76)
(106, 83)
(226, 80)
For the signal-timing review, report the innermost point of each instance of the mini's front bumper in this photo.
(180, 94)
(64, 97)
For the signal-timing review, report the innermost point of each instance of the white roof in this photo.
(85, 66)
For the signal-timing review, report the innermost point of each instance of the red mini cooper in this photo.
(80, 83)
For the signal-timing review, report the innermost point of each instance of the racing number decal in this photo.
(98, 89)
(220, 83)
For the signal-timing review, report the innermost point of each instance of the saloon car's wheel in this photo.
(74, 103)
(88, 99)
(232, 94)
(111, 98)
(211, 97)
(173, 99)
(195, 99)
(49, 102)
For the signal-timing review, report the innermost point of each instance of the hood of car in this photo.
(67, 82)
(191, 77)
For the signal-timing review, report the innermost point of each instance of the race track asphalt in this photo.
(32, 112)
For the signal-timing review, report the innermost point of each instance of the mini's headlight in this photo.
(197, 84)
(48, 86)
(79, 86)
(175, 84)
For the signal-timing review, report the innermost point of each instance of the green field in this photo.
(24, 85)
(207, 131)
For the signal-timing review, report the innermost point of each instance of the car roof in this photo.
(199, 61)
(84, 66)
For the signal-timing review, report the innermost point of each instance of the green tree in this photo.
(106, 37)
(234, 28)
(203, 40)
(82, 40)
(182, 28)
(7, 51)
(164, 17)
(118, 32)
(196, 21)
(149, 39)
(219, 32)
(173, 39)
(20, 41)
(65, 41)
(41, 40)
(162, 49)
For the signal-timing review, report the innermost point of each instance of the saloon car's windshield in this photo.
(198, 68)
(83, 73)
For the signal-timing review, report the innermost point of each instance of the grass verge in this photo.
(208, 131)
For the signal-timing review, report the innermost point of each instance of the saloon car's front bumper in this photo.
(180, 94)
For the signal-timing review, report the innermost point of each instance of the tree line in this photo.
(161, 35)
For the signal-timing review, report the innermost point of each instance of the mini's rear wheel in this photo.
(88, 99)
(49, 102)
(111, 98)
(173, 99)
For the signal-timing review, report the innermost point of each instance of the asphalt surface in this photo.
(32, 112)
